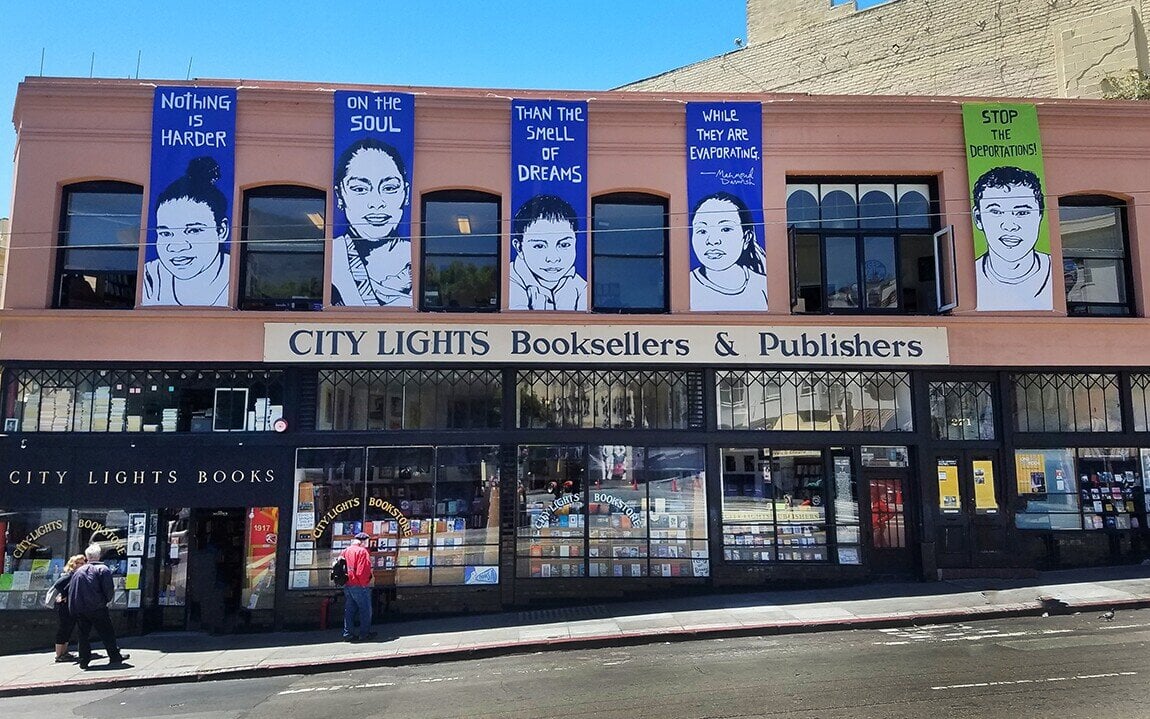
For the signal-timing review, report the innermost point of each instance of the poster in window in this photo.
(985, 500)
(948, 498)
(725, 199)
(549, 205)
(1008, 207)
(188, 252)
(374, 156)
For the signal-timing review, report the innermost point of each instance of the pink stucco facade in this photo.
(77, 130)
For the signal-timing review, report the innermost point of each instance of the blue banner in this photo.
(549, 205)
(188, 255)
(371, 245)
(725, 197)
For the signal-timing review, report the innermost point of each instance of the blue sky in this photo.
(535, 44)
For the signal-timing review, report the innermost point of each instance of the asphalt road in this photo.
(1053, 668)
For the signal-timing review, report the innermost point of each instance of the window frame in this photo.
(856, 229)
(298, 192)
(64, 229)
(1099, 200)
(642, 199)
(460, 196)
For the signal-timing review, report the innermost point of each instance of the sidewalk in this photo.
(187, 657)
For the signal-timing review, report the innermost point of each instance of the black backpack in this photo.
(339, 572)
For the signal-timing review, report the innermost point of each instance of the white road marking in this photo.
(369, 685)
(976, 685)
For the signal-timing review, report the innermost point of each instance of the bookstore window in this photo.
(862, 247)
(611, 511)
(283, 241)
(1089, 488)
(1095, 255)
(814, 401)
(1067, 403)
(409, 399)
(961, 410)
(136, 400)
(629, 253)
(432, 513)
(460, 247)
(35, 548)
(775, 505)
(609, 399)
(99, 246)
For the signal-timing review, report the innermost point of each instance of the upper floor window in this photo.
(282, 267)
(460, 267)
(862, 246)
(1094, 255)
(99, 245)
(629, 253)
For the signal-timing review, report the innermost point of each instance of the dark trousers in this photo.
(100, 621)
(64, 623)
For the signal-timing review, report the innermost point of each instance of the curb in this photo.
(487, 651)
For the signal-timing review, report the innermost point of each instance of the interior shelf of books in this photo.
(1111, 488)
(774, 507)
(146, 407)
(631, 518)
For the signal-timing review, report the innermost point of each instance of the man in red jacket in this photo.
(357, 591)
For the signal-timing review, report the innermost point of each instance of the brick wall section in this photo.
(1012, 48)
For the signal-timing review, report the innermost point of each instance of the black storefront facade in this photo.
(487, 485)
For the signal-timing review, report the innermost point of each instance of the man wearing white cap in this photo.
(357, 591)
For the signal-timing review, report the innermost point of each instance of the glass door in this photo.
(972, 531)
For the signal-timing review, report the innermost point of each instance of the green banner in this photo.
(1008, 206)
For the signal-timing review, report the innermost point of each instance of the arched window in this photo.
(282, 259)
(99, 246)
(460, 267)
(629, 253)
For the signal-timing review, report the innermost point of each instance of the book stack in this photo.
(82, 420)
(168, 419)
(100, 406)
(117, 407)
(56, 411)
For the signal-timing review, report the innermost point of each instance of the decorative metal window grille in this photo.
(1067, 403)
(142, 400)
(814, 401)
(961, 410)
(609, 399)
(409, 399)
(1140, 398)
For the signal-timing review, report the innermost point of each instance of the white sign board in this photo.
(603, 344)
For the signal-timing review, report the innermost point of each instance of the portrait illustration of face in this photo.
(1010, 217)
(548, 249)
(717, 235)
(372, 194)
(187, 237)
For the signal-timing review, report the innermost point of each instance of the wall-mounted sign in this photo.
(188, 254)
(1011, 235)
(374, 153)
(548, 205)
(725, 194)
(604, 344)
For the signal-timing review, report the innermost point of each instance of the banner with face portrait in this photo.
(374, 153)
(188, 254)
(725, 197)
(548, 205)
(1008, 207)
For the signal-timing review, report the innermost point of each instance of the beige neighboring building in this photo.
(3, 251)
(1014, 48)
